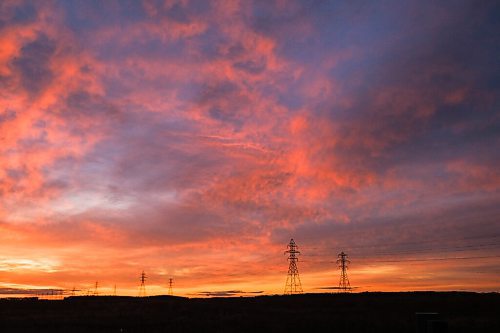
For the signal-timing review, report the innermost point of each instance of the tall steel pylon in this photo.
(142, 288)
(293, 285)
(170, 284)
(96, 288)
(342, 262)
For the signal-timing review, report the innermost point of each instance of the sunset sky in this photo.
(193, 139)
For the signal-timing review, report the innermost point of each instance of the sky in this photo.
(193, 139)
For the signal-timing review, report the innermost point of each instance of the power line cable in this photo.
(438, 259)
(422, 259)
(408, 243)
(441, 249)
(464, 248)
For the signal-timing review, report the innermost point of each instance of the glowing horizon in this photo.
(193, 139)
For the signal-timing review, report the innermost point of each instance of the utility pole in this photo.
(170, 284)
(114, 290)
(293, 285)
(342, 262)
(142, 288)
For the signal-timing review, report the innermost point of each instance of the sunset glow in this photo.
(193, 139)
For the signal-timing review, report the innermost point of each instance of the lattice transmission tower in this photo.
(142, 288)
(293, 285)
(170, 284)
(342, 262)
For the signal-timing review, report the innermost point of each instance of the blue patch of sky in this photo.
(89, 15)
(24, 13)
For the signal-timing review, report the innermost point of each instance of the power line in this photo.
(438, 259)
(450, 247)
(414, 259)
(386, 244)
(462, 248)
(438, 249)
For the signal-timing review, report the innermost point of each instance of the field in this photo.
(358, 312)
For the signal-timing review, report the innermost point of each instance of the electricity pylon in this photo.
(293, 285)
(170, 284)
(142, 288)
(342, 262)
(96, 288)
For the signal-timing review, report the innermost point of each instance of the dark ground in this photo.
(363, 312)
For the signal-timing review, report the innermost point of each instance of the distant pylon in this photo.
(170, 284)
(293, 285)
(114, 290)
(96, 288)
(142, 288)
(342, 262)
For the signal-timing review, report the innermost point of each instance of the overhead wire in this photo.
(415, 251)
(410, 243)
(439, 259)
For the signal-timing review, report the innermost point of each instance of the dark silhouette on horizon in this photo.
(340, 312)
